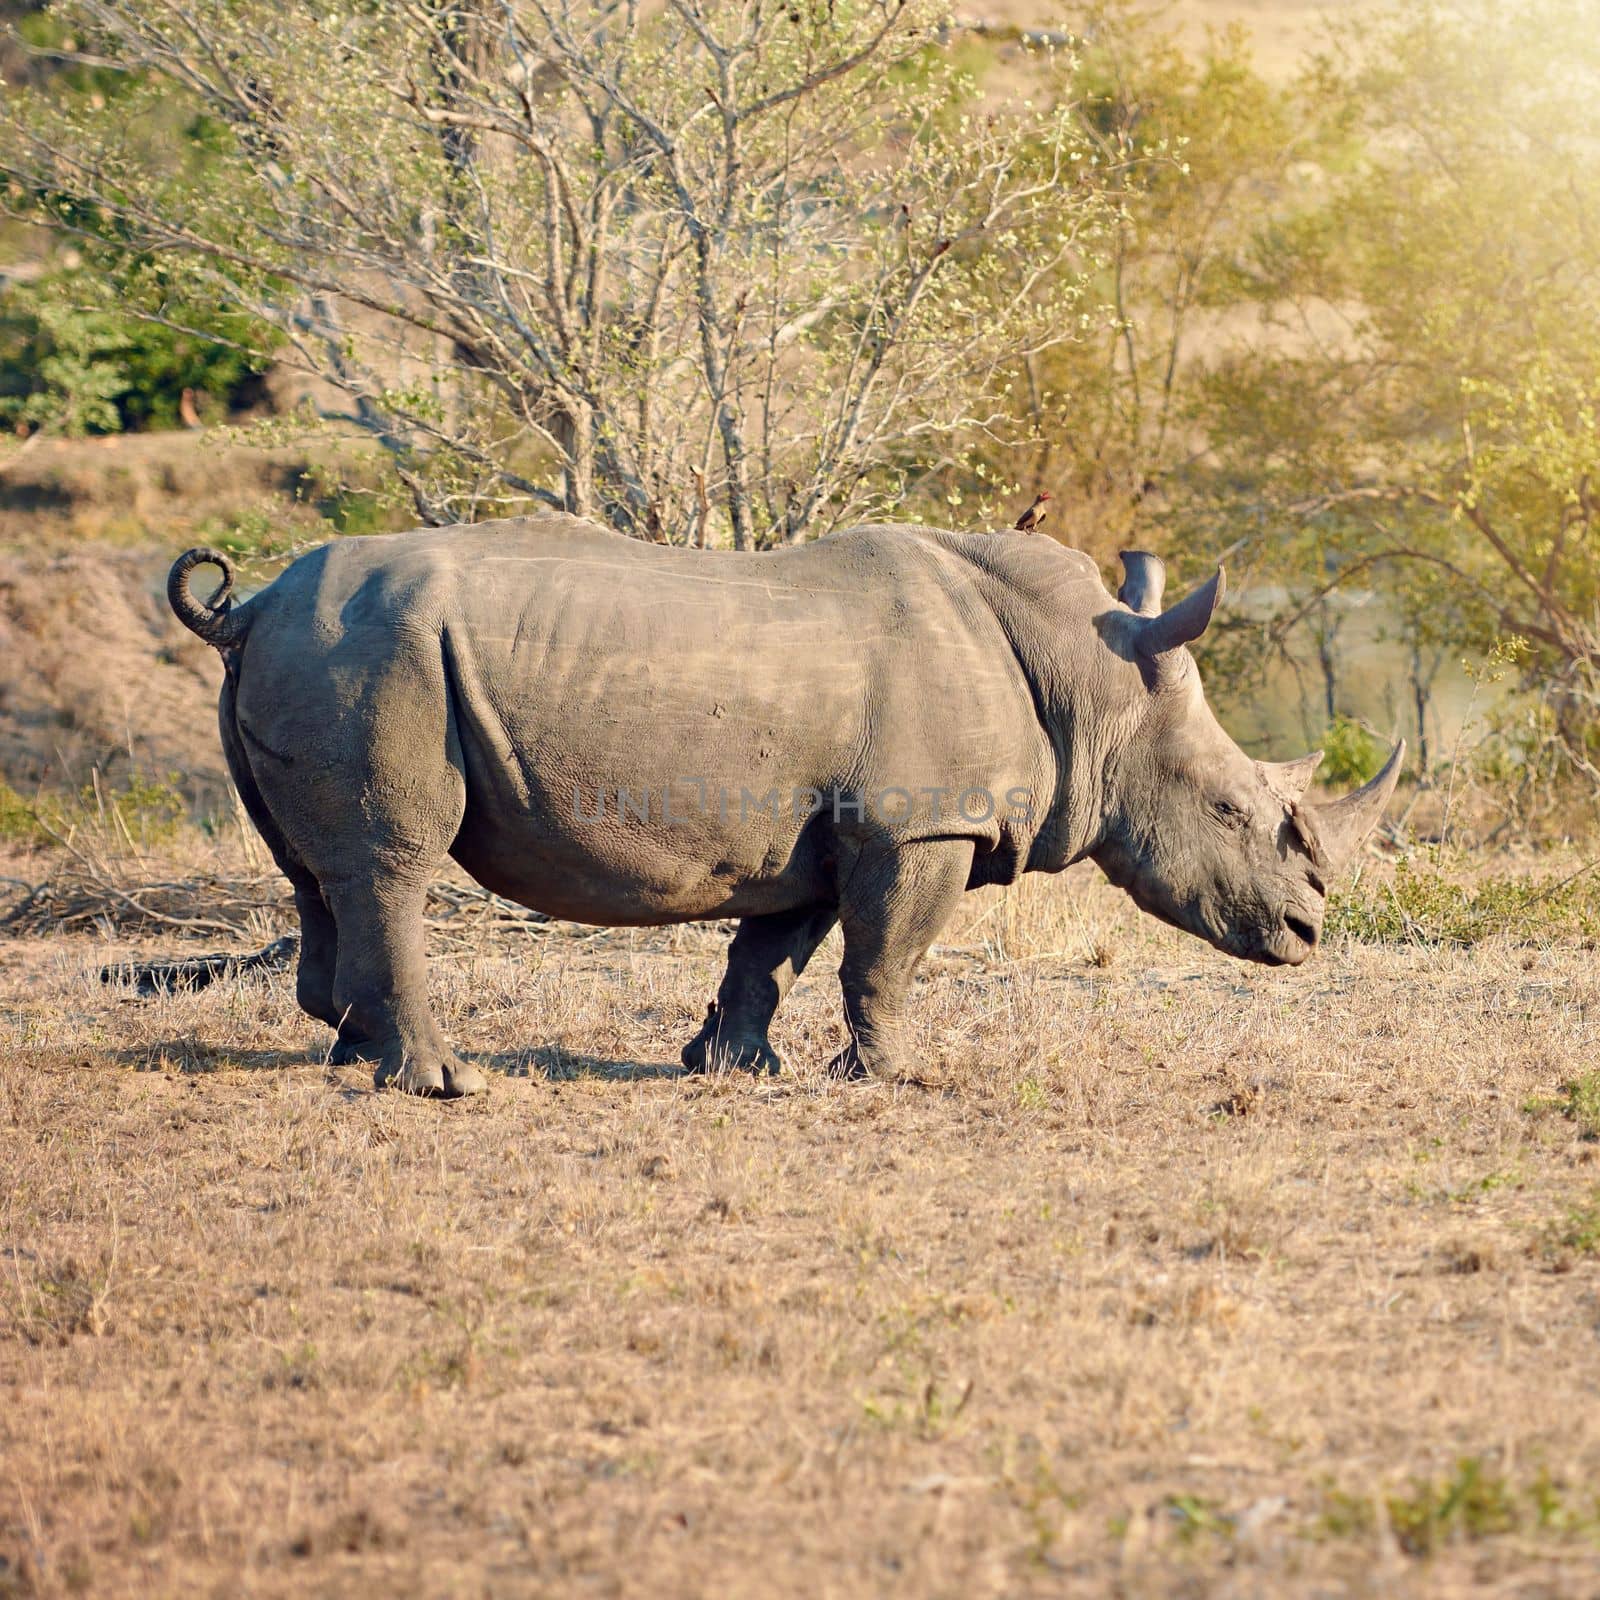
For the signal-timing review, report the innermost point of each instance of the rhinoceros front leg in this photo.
(892, 908)
(766, 956)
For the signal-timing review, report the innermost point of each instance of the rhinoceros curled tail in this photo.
(212, 619)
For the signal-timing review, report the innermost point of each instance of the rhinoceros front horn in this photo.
(1342, 825)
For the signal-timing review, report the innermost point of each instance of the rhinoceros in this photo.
(854, 731)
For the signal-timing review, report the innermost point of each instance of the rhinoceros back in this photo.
(634, 723)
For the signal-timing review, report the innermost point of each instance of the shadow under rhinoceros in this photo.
(550, 1062)
(195, 1060)
(554, 1064)
(557, 1065)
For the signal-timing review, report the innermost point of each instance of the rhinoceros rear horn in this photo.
(1183, 623)
(1342, 825)
(1144, 576)
(1289, 780)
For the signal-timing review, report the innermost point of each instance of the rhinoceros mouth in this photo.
(1289, 944)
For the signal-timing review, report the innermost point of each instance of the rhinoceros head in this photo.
(1196, 831)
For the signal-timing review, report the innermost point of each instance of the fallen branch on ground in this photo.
(168, 977)
(86, 895)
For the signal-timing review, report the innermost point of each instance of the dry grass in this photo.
(138, 489)
(1180, 1278)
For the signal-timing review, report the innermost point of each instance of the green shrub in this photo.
(361, 511)
(59, 369)
(1350, 755)
(1575, 1233)
(73, 368)
(145, 811)
(19, 820)
(263, 534)
(1472, 1503)
(1581, 1104)
(1425, 905)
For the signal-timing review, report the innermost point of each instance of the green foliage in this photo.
(1576, 1233)
(143, 812)
(148, 810)
(1581, 1103)
(108, 337)
(19, 820)
(1198, 1518)
(1195, 147)
(1350, 755)
(1425, 904)
(72, 367)
(256, 535)
(59, 369)
(361, 511)
(1421, 417)
(1472, 1503)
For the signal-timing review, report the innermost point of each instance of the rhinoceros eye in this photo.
(1234, 816)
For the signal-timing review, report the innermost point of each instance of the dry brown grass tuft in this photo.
(1182, 1278)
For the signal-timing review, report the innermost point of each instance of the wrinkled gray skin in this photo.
(467, 691)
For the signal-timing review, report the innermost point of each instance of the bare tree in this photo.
(713, 268)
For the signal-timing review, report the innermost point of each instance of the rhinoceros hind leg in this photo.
(893, 908)
(766, 956)
(360, 776)
(319, 951)
(318, 969)
(319, 939)
(381, 988)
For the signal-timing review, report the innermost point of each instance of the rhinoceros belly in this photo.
(646, 757)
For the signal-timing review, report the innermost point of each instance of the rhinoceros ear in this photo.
(1144, 576)
(1183, 623)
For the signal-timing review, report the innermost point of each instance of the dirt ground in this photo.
(1172, 1277)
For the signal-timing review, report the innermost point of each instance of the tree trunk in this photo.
(1328, 662)
(1421, 698)
(572, 430)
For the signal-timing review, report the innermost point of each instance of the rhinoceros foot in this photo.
(457, 1078)
(347, 1051)
(720, 1046)
(860, 1062)
(722, 1055)
(437, 1080)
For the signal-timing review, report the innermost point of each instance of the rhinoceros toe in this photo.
(410, 1076)
(448, 1079)
(462, 1078)
(860, 1062)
